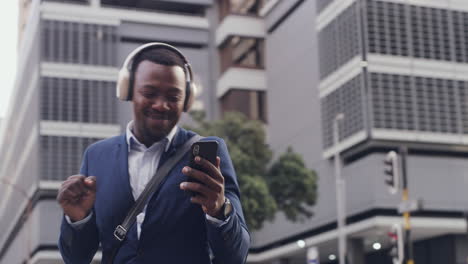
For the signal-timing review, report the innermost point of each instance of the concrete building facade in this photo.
(69, 55)
(394, 69)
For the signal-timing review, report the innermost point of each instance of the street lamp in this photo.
(340, 192)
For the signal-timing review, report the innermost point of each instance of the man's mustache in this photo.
(157, 115)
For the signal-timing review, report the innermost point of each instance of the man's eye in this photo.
(174, 98)
(148, 94)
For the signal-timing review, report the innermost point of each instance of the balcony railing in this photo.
(242, 52)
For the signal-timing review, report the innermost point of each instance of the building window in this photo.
(251, 103)
(412, 103)
(242, 52)
(387, 28)
(61, 156)
(73, 100)
(69, 42)
(421, 32)
(347, 99)
(460, 22)
(339, 41)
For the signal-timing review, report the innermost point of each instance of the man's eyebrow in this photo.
(175, 90)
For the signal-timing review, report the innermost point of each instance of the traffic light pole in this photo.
(406, 215)
(340, 194)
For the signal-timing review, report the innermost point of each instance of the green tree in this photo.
(287, 186)
(294, 186)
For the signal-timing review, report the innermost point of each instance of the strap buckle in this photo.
(120, 232)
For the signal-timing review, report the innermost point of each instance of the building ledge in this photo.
(114, 16)
(79, 71)
(241, 78)
(239, 25)
(417, 67)
(76, 129)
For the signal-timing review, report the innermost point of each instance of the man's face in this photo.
(158, 100)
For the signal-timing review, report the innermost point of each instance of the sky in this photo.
(8, 44)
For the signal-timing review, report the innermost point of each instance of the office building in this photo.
(64, 99)
(391, 70)
(396, 71)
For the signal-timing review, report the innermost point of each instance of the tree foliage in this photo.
(287, 185)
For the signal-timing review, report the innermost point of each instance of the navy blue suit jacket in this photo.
(174, 230)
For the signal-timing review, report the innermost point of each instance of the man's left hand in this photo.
(210, 188)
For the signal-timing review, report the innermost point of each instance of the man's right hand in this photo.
(77, 195)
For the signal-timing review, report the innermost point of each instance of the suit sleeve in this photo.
(230, 242)
(79, 244)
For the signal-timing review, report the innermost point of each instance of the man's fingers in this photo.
(75, 187)
(198, 188)
(71, 195)
(211, 169)
(202, 177)
(198, 199)
(90, 182)
(76, 177)
(206, 204)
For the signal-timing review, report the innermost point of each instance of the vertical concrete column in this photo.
(356, 252)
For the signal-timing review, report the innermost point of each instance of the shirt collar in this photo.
(131, 139)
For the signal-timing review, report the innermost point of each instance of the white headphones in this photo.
(124, 86)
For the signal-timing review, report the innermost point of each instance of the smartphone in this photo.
(205, 149)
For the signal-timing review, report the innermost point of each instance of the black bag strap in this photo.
(153, 185)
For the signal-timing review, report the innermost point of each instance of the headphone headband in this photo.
(146, 46)
(125, 85)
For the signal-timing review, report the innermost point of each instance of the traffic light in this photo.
(392, 171)
(396, 244)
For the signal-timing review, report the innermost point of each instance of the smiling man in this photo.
(173, 227)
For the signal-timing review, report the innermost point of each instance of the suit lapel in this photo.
(122, 171)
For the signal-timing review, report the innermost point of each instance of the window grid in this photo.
(431, 33)
(61, 156)
(74, 100)
(438, 103)
(70, 42)
(347, 100)
(339, 41)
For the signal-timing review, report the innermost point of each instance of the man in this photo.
(174, 227)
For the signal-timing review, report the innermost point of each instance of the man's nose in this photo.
(160, 104)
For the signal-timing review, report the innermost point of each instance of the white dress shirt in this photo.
(142, 165)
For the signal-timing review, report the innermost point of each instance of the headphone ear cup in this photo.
(193, 90)
(123, 85)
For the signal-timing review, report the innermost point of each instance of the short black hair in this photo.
(158, 55)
